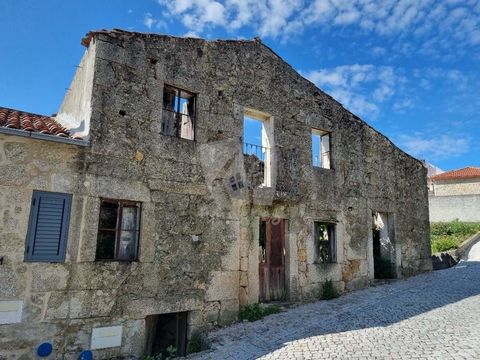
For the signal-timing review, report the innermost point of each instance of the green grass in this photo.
(449, 236)
(255, 312)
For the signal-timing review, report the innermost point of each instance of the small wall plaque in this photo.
(11, 311)
(106, 337)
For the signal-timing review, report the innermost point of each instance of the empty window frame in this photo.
(324, 242)
(179, 113)
(118, 230)
(166, 332)
(321, 154)
(48, 227)
(258, 145)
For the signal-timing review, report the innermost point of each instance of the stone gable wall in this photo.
(183, 187)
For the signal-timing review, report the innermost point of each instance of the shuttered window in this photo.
(48, 227)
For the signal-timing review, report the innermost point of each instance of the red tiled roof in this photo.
(21, 120)
(465, 173)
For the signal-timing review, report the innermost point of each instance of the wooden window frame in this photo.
(321, 134)
(178, 112)
(331, 243)
(118, 230)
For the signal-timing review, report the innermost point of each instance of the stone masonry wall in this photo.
(183, 189)
(456, 187)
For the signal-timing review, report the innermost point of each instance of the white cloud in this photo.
(438, 24)
(440, 147)
(149, 21)
(360, 88)
(402, 105)
(378, 51)
(191, 34)
(196, 14)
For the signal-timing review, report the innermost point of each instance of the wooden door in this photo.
(272, 259)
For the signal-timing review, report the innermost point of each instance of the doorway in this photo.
(166, 334)
(272, 259)
(383, 246)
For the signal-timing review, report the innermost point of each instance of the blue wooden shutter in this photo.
(48, 227)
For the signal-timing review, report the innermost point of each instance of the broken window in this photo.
(257, 145)
(179, 113)
(118, 230)
(324, 242)
(321, 149)
(166, 335)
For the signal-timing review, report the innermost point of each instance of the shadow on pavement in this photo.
(373, 307)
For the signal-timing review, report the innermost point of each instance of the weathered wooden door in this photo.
(272, 259)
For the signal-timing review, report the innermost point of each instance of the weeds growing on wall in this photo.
(195, 343)
(255, 312)
(329, 291)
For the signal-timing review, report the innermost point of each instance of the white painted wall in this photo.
(76, 108)
(448, 208)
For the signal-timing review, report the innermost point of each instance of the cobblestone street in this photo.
(430, 316)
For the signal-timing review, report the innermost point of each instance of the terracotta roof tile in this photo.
(465, 173)
(21, 120)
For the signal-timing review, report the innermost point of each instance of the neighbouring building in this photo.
(139, 213)
(455, 195)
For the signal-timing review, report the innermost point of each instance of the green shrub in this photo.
(255, 312)
(328, 290)
(168, 354)
(383, 268)
(449, 235)
(271, 309)
(446, 243)
(154, 357)
(195, 343)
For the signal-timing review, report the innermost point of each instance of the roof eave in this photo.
(40, 136)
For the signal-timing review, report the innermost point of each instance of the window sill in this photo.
(115, 260)
(44, 261)
(179, 138)
(324, 264)
(322, 168)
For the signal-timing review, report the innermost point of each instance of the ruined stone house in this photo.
(139, 213)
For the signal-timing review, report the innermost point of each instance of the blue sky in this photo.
(409, 68)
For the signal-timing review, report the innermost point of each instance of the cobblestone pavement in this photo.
(430, 316)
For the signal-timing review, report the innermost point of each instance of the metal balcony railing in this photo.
(259, 151)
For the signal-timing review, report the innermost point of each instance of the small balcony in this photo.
(256, 159)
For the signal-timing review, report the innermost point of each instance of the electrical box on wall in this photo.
(11, 311)
(106, 337)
